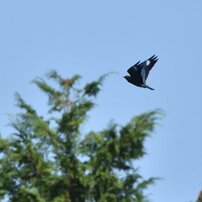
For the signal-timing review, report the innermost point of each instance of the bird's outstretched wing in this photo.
(148, 64)
(135, 69)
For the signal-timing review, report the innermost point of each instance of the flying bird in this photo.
(140, 71)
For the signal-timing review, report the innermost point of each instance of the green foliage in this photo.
(49, 160)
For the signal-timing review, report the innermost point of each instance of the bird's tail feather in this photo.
(146, 86)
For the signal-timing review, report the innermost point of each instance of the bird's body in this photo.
(140, 71)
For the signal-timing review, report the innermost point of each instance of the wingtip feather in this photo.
(154, 58)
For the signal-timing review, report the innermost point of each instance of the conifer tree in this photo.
(48, 159)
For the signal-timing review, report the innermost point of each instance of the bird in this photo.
(139, 72)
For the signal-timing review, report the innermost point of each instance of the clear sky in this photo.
(91, 38)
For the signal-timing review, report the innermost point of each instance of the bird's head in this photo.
(127, 77)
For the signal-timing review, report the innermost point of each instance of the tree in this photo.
(49, 160)
(200, 197)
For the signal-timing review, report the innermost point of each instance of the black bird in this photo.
(140, 71)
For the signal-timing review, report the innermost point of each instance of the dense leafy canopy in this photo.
(49, 160)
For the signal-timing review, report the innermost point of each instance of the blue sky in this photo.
(91, 38)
